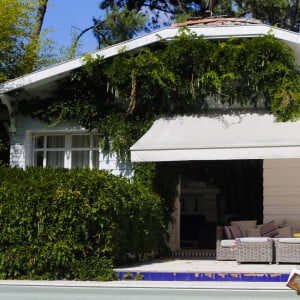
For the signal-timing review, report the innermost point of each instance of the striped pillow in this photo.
(269, 229)
(234, 231)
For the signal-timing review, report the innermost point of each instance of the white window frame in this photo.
(67, 149)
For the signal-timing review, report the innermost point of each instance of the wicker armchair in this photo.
(224, 252)
(287, 250)
(255, 250)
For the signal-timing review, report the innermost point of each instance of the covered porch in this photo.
(236, 166)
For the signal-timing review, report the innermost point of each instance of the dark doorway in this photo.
(215, 192)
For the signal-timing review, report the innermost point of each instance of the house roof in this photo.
(219, 21)
(41, 80)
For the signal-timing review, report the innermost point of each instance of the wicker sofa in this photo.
(267, 242)
(255, 250)
(287, 250)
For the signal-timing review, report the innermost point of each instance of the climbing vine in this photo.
(121, 96)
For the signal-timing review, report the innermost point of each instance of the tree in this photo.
(21, 45)
(125, 18)
(15, 18)
(119, 24)
(283, 13)
(22, 48)
(34, 37)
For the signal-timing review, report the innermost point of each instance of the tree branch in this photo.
(82, 33)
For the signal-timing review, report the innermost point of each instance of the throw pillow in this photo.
(235, 231)
(246, 224)
(269, 229)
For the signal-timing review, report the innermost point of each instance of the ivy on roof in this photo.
(122, 96)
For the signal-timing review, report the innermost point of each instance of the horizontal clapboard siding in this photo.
(281, 189)
(21, 140)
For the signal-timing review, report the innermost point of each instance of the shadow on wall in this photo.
(4, 137)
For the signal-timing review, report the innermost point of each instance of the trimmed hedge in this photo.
(74, 224)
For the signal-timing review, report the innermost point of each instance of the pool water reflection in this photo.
(18, 292)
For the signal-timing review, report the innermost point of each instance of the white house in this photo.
(251, 153)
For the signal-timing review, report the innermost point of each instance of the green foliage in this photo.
(17, 46)
(282, 13)
(15, 17)
(274, 12)
(163, 179)
(185, 72)
(119, 25)
(130, 276)
(122, 96)
(74, 224)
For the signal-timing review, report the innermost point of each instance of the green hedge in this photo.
(74, 224)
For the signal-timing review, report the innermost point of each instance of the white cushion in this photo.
(255, 239)
(288, 240)
(227, 243)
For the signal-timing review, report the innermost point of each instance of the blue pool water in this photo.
(206, 276)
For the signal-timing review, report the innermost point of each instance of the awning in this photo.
(223, 137)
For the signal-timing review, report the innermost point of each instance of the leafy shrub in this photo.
(74, 224)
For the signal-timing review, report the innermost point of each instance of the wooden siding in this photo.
(281, 189)
(21, 145)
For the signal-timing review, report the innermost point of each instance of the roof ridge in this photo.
(218, 21)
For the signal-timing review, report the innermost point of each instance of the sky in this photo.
(63, 15)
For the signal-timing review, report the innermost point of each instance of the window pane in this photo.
(95, 159)
(57, 141)
(81, 141)
(55, 159)
(38, 158)
(39, 142)
(96, 141)
(80, 159)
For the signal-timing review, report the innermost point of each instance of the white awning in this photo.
(223, 137)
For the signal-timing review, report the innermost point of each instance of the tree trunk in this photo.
(34, 36)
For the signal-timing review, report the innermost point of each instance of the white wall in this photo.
(281, 189)
(21, 144)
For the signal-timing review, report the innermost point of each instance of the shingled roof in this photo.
(217, 21)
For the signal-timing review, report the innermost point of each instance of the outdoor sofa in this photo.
(245, 241)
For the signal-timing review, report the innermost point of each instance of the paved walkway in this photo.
(213, 266)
